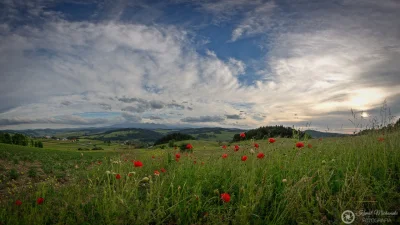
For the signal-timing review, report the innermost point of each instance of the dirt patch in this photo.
(21, 176)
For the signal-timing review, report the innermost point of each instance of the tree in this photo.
(175, 137)
(7, 138)
(32, 143)
(40, 144)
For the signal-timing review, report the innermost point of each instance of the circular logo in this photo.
(348, 217)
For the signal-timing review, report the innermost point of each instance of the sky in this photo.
(226, 63)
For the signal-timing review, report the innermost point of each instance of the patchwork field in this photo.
(277, 183)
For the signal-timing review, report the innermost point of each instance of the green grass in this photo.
(82, 143)
(334, 175)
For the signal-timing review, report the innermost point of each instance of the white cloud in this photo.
(256, 21)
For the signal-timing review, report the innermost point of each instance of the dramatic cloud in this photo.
(234, 117)
(277, 62)
(131, 117)
(71, 120)
(203, 119)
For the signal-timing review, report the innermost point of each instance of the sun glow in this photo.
(364, 114)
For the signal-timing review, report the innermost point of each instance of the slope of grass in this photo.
(311, 185)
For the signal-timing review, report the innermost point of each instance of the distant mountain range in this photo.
(139, 131)
(319, 134)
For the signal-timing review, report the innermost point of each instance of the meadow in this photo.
(276, 183)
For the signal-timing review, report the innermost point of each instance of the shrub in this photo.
(97, 148)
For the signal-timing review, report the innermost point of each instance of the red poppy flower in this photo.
(242, 135)
(163, 170)
(18, 202)
(99, 162)
(225, 197)
(381, 139)
(309, 146)
(118, 176)
(189, 146)
(320, 139)
(202, 163)
(244, 158)
(224, 156)
(156, 172)
(224, 146)
(236, 148)
(256, 145)
(137, 164)
(194, 162)
(260, 155)
(177, 155)
(271, 140)
(40, 201)
(129, 174)
(299, 144)
(153, 157)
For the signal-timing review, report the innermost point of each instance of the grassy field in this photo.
(82, 143)
(289, 185)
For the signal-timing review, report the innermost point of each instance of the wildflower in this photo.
(284, 181)
(40, 201)
(108, 172)
(320, 139)
(224, 156)
(163, 170)
(225, 197)
(380, 139)
(271, 140)
(99, 162)
(299, 144)
(244, 158)
(118, 176)
(18, 202)
(260, 155)
(309, 146)
(202, 163)
(242, 135)
(156, 173)
(137, 164)
(256, 145)
(224, 146)
(189, 146)
(145, 179)
(194, 162)
(153, 157)
(236, 148)
(177, 155)
(252, 151)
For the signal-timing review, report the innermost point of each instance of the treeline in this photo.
(271, 131)
(19, 139)
(174, 137)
